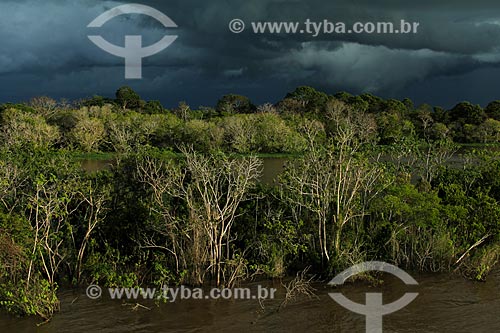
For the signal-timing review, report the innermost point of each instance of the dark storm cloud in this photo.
(45, 50)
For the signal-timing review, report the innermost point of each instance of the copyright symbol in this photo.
(93, 291)
(236, 26)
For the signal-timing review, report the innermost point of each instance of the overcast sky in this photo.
(455, 55)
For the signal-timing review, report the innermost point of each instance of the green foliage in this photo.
(39, 299)
(234, 104)
(309, 99)
(488, 131)
(393, 127)
(466, 113)
(96, 101)
(280, 241)
(127, 98)
(234, 126)
(21, 129)
(87, 134)
(414, 224)
(262, 132)
(492, 110)
(482, 262)
(154, 107)
(162, 275)
(204, 136)
(108, 267)
(17, 295)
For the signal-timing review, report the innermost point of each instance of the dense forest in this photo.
(365, 178)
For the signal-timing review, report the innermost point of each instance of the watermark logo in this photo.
(133, 52)
(236, 26)
(173, 294)
(325, 27)
(93, 291)
(374, 308)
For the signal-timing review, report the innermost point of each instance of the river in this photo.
(446, 303)
(272, 167)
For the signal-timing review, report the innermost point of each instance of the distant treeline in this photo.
(235, 124)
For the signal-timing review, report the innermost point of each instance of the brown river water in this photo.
(446, 303)
(272, 167)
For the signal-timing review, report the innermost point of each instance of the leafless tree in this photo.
(94, 200)
(266, 108)
(212, 187)
(11, 181)
(335, 183)
(167, 180)
(183, 111)
(49, 210)
(88, 133)
(222, 184)
(121, 135)
(435, 155)
(44, 106)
